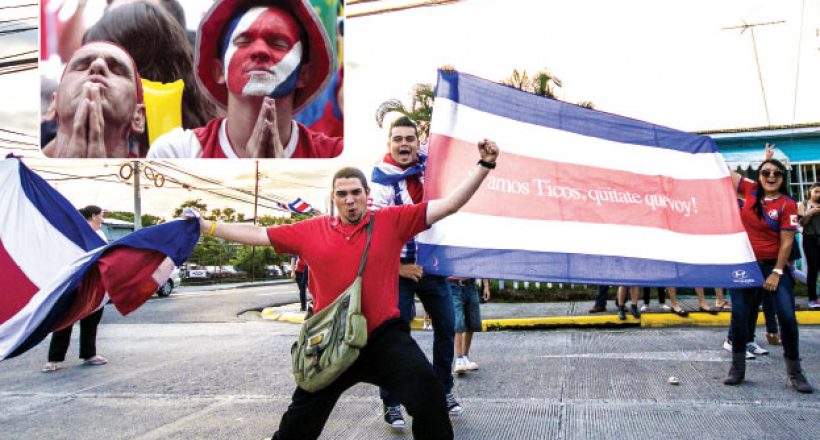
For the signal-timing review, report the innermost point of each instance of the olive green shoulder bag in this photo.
(330, 340)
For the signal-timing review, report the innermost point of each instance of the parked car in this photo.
(173, 281)
(198, 273)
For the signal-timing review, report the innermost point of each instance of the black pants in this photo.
(391, 359)
(88, 339)
(811, 247)
(661, 295)
(301, 282)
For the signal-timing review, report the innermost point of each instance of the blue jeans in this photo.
(767, 299)
(466, 306)
(745, 304)
(434, 293)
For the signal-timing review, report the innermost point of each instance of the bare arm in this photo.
(786, 242)
(769, 155)
(485, 283)
(239, 233)
(441, 208)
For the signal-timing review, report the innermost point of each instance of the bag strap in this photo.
(367, 245)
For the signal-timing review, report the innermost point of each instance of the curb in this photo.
(647, 320)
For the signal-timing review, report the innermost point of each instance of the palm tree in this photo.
(420, 110)
(544, 83)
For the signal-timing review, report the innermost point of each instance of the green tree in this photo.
(197, 204)
(147, 219)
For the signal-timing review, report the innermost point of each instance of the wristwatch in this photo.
(778, 271)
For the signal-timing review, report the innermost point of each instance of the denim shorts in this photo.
(466, 305)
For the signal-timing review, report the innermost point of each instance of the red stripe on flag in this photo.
(85, 301)
(18, 289)
(127, 275)
(537, 189)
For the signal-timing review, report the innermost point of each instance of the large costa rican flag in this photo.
(55, 270)
(579, 196)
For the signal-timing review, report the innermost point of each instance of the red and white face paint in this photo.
(263, 53)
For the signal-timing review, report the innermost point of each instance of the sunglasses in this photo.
(407, 139)
(775, 173)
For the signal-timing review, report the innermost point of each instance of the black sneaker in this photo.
(634, 310)
(453, 406)
(622, 313)
(393, 417)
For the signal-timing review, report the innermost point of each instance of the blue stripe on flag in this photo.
(582, 268)
(58, 210)
(511, 103)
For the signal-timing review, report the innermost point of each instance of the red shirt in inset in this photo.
(333, 250)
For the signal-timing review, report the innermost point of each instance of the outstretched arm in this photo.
(440, 208)
(239, 233)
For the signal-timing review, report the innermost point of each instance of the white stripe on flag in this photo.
(471, 125)
(587, 238)
(39, 254)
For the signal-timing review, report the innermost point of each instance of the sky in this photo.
(669, 63)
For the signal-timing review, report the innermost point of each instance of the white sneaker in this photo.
(461, 366)
(665, 307)
(644, 308)
(727, 345)
(756, 349)
(471, 366)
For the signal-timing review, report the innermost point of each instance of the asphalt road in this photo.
(188, 367)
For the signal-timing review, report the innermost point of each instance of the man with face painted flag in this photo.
(262, 62)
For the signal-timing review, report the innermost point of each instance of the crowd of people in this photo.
(254, 66)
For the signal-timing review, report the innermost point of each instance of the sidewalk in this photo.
(570, 314)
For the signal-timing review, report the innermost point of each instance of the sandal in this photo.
(678, 310)
(723, 306)
(50, 367)
(708, 310)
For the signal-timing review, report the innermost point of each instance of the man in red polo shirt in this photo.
(333, 247)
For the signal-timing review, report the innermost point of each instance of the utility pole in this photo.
(137, 198)
(751, 27)
(255, 205)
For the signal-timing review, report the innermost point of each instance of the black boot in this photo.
(622, 313)
(738, 371)
(796, 378)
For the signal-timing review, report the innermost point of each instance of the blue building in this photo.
(798, 146)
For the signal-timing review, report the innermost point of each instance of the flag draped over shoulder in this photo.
(579, 196)
(55, 270)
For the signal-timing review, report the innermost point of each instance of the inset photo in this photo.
(188, 79)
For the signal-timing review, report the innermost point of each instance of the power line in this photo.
(422, 4)
(797, 73)
(17, 69)
(19, 6)
(18, 54)
(17, 132)
(17, 19)
(17, 31)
